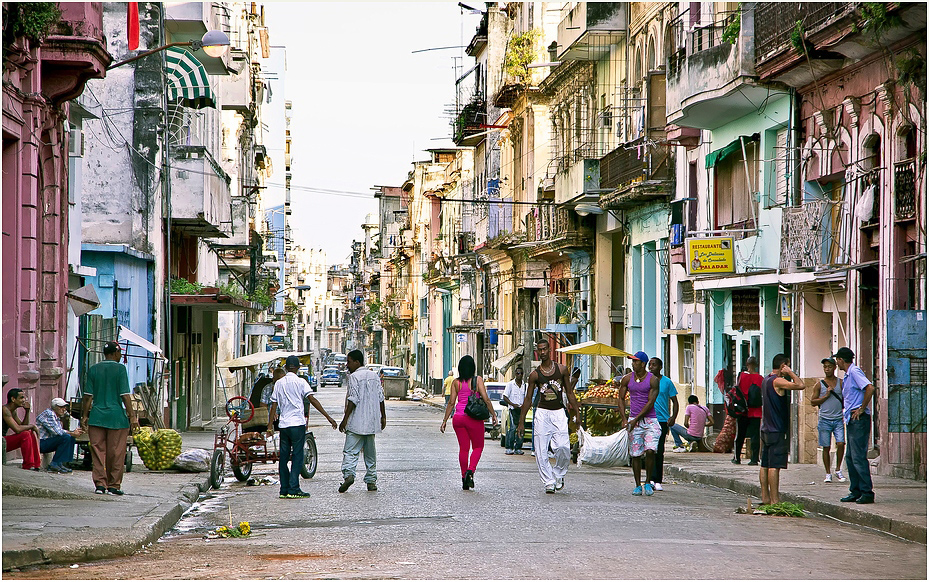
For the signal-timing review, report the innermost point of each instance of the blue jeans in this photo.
(62, 444)
(355, 444)
(678, 432)
(857, 435)
(513, 440)
(293, 439)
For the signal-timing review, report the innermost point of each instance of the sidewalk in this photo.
(899, 509)
(54, 518)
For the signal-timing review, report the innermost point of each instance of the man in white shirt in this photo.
(513, 395)
(288, 396)
(364, 418)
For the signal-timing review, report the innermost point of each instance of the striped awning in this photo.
(188, 83)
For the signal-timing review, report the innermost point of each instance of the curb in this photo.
(907, 531)
(58, 550)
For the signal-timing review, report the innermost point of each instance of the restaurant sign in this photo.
(710, 255)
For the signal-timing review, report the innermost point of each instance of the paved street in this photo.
(420, 524)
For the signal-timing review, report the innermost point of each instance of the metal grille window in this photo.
(745, 309)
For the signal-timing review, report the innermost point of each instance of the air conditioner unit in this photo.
(694, 322)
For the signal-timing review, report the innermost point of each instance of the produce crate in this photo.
(600, 400)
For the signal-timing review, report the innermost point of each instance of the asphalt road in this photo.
(420, 524)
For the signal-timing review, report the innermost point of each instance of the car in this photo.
(331, 375)
(495, 393)
(376, 368)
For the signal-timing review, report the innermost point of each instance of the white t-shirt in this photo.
(366, 392)
(289, 393)
(515, 393)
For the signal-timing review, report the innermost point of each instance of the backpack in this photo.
(736, 405)
(754, 396)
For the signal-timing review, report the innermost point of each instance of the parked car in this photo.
(505, 426)
(376, 368)
(331, 375)
(495, 393)
(304, 373)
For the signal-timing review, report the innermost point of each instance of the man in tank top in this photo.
(775, 426)
(644, 429)
(550, 420)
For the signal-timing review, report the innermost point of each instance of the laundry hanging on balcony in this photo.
(188, 83)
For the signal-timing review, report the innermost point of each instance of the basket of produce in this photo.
(602, 394)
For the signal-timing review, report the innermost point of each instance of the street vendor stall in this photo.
(599, 403)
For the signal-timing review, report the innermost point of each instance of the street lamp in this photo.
(214, 43)
(585, 209)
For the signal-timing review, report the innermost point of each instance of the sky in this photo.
(364, 106)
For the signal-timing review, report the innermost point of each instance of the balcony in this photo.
(200, 199)
(711, 82)
(588, 30)
(639, 172)
(236, 91)
(185, 21)
(553, 224)
(468, 123)
(74, 52)
(905, 197)
(810, 235)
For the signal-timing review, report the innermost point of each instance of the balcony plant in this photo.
(33, 20)
(520, 53)
(184, 287)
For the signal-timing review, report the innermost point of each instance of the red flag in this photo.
(132, 25)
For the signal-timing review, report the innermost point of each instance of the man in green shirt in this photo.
(107, 416)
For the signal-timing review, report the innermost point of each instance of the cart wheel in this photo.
(217, 468)
(709, 441)
(129, 461)
(242, 472)
(309, 457)
(239, 409)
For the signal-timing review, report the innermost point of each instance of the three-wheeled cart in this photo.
(244, 448)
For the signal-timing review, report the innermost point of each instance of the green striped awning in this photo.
(188, 83)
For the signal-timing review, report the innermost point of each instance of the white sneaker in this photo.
(657, 486)
(679, 450)
(840, 477)
(559, 484)
(828, 478)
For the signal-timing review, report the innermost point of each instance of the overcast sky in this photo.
(364, 106)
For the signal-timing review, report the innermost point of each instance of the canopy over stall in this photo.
(259, 358)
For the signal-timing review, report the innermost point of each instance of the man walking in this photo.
(644, 430)
(25, 435)
(750, 423)
(857, 392)
(827, 395)
(107, 415)
(364, 417)
(53, 436)
(447, 385)
(666, 409)
(550, 420)
(288, 396)
(513, 396)
(775, 426)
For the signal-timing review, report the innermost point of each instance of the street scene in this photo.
(649, 278)
(419, 524)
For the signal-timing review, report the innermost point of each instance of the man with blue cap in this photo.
(288, 397)
(644, 429)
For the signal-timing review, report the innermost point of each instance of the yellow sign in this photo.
(710, 255)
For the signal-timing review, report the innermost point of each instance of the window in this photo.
(687, 360)
(735, 201)
(780, 168)
(745, 309)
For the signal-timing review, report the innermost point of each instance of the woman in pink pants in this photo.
(470, 431)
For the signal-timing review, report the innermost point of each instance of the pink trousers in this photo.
(470, 433)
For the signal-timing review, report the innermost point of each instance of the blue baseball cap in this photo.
(292, 362)
(640, 356)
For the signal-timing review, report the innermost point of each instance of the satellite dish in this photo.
(83, 300)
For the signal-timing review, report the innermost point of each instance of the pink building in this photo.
(40, 76)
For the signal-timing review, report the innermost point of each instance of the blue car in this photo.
(331, 376)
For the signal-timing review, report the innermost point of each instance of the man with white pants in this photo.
(550, 420)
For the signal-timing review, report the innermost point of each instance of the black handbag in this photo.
(476, 408)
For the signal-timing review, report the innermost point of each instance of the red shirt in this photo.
(745, 381)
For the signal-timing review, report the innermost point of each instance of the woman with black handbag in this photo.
(471, 406)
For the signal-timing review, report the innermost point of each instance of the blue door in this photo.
(906, 371)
